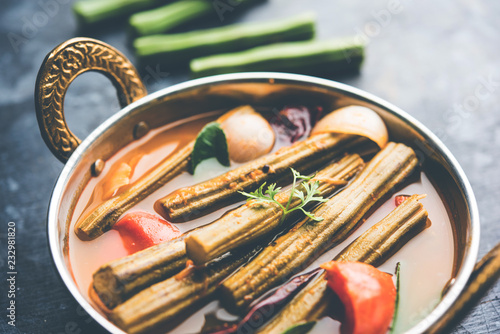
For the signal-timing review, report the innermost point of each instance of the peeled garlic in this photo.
(248, 134)
(356, 120)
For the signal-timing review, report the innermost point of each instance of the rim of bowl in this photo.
(463, 183)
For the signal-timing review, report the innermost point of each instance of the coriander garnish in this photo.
(306, 195)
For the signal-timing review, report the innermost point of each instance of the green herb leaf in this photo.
(311, 215)
(306, 196)
(302, 328)
(297, 175)
(210, 142)
(396, 305)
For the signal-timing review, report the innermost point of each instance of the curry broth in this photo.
(426, 261)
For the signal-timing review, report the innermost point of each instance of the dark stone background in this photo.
(432, 59)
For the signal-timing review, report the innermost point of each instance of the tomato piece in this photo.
(140, 230)
(399, 199)
(368, 296)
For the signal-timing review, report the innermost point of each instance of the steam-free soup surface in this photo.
(426, 261)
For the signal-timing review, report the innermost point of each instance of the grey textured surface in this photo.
(438, 60)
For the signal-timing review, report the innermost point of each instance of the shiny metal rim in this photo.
(463, 183)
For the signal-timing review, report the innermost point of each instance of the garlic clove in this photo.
(248, 134)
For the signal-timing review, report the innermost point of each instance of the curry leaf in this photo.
(210, 142)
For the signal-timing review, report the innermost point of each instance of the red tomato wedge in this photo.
(367, 293)
(140, 230)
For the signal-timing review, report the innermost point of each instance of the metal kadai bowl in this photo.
(84, 159)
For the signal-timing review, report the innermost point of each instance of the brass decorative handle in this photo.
(485, 274)
(61, 66)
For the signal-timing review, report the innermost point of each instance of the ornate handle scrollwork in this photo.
(61, 66)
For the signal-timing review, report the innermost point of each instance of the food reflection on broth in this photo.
(426, 260)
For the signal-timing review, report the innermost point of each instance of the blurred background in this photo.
(437, 60)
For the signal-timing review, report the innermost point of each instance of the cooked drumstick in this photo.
(305, 156)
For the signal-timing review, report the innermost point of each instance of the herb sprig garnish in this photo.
(306, 195)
